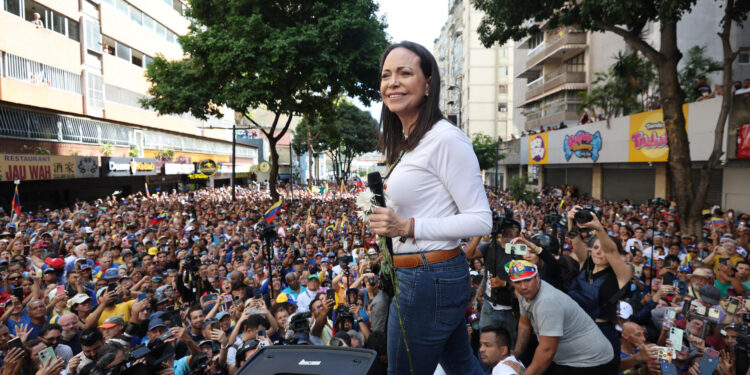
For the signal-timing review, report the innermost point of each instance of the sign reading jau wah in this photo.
(36, 167)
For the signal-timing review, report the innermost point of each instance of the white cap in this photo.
(624, 310)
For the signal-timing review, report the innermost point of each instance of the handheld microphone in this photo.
(375, 182)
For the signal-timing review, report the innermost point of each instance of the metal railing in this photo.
(30, 125)
(37, 73)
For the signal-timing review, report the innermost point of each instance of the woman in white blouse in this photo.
(438, 198)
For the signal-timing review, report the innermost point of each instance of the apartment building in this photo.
(478, 82)
(558, 63)
(72, 75)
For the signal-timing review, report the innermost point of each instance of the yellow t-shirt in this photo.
(733, 259)
(121, 309)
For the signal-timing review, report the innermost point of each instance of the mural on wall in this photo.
(648, 136)
(583, 145)
(538, 148)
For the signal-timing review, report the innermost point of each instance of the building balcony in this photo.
(554, 115)
(557, 47)
(554, 83)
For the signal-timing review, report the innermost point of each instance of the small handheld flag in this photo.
(360, 183)
(158, 219)
(271, 213)
(717, 221)
(15, 204)
(148, 194)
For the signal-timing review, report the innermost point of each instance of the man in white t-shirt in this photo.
(495, 351)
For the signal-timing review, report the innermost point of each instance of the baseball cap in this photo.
(313, 276)
(624, 310)
(710, 294)
(521, 270)
(153, 251)
(78, 299)
(283, 297)
(372, 252)
(156, 322)
(325, 259)
(111, 274)
(684, 269)
(112, 321)
(222, 314)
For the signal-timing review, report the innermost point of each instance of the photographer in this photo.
(498, 294)
(604, 274)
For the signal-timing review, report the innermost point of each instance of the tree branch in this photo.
(636, 42)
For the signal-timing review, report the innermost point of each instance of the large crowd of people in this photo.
(195, 283)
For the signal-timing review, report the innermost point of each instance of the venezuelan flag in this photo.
(158, 219)
(148, 194)
(717, 221)
(360, 183)
(308, 215)
(493, 195)
(15, 204)
(271, 213)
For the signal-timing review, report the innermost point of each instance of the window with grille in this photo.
(94, 91)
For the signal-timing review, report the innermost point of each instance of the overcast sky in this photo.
(413, 20)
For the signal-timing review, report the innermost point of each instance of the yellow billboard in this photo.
(539, 148)
(648, 136)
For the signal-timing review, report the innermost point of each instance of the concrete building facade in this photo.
(478, 83)
(72, 73)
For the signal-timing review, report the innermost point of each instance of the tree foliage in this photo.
(289, 57)
(350, 132)
(486, 149)
(696, 65)
(517, 188)
(623, 89)
(505, 19)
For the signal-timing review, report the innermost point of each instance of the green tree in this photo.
(623, 89)
(505, 20)
(517, 188)
(308, 139)
(486, 149)
(106, 149)
(289, 57)
(696, 65)
(354, 132)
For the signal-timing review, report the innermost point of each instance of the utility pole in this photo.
(234, 158)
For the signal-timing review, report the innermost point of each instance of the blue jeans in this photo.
(433, 301)
(499, 319)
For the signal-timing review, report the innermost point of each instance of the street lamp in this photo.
(460, 103)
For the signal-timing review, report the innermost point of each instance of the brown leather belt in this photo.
(415, 259)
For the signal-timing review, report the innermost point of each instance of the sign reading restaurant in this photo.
(36, 167)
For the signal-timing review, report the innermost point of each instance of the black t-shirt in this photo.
(606, 291)
(498, 296)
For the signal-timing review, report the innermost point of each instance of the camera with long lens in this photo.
(299, 329)
(500, 223)
(192, 263)
(586, 214)
(342, 314)
(156, 352)
(742, 348)
(267, 232)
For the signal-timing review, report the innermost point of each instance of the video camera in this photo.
(742, 348)
(342, 313)
(299, 328)
(500, 223)
(267, 232)
(155, 351)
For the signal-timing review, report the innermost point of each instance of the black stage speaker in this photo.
(309, 360)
